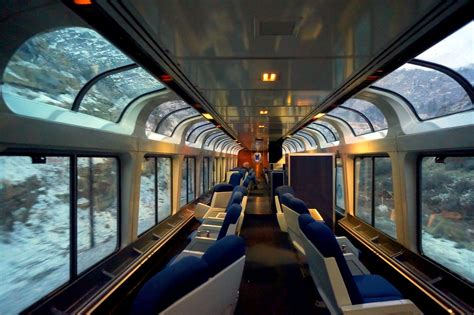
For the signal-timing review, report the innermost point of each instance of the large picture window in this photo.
(374, 202)
(155, 192)
(187, 181)
(37, 212)
(340, 205)
(447, 212)
(205, 175)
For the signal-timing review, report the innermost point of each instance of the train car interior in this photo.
(236, 157)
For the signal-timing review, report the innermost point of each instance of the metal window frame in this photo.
(326, 128)
(212, 135)
(182, 122)
(318, 131)
(160, 123)
(304, 133)
(194, 129)
(297, 137)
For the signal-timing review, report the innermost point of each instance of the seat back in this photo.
(235, 179)
(324, 243)
(220, 195)
(289, 202)
(230, 221)
(279, 191)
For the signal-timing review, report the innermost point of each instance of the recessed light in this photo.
(319, 115)
(269, 77)
(165, 78)
(261, 126)
(208, 116)
(263, 112)
(83, 2)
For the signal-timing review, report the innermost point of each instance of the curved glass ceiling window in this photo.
(108, 98)
(330, 127)
(162, 111)
(431, 93)
(455, 52)
(326, 132)
(168, 124)
(358, 124)
(50, 68)
(195, 130)
(370, 111)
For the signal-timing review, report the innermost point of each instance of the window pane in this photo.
(358, 124)
(370, 111)
(455, 52)
(34, 229)
(184, 184)
(168, 125)
(327, 134)
(52, 67)
(164, 188)
(196, 129)
(97, 209)
(340, 205)
(363, 187)
(161, 111)
(205, 177)
(146, 211)
(334, 131)
(447, 213)
(191, 182)
(432, 93)
(384, 207)
(110, 95)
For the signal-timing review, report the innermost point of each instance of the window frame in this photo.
(419, 225)
(372, 201)
(337, 208)
(185, 162)
(73, 193)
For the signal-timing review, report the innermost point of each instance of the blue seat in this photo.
(321, 244)
(280, 190)
(231, 217)
(297, 205)
(235, 179)
(170, 288)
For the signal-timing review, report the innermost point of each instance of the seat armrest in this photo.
(347, 246)
(355, 266)
(187, 253)
(213, 221)
(389, 307)
(200, 210)
(200, 244)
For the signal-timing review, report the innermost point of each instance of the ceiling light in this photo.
(269, 77)
(83, 2)
(319, 115)
(261, 126)
(165, 78)
(264, 112)
(208, 116)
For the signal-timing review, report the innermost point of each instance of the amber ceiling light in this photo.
(261, 126)
(263, 112)
(269, 77)
(319, 115)
(208, 116)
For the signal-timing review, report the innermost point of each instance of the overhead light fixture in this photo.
(208, 116)
(263, 112)
(83, 2)
(269, 77)
(319, 115)
(261, 126)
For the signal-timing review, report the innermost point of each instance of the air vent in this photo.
(275, 28)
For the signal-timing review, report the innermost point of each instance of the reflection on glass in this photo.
(358, 124)
(164, 187)
(447, 212)
(34, 229)
(384, 207)
(146, 211)
(340, 204)
(109, 96)
(161, 111)
(205, 175)
(370, 111)
(169, 123)
(455, 52)
(191, 181)
(363, 189)
(51, 67)
(97, 204)
(430, 92)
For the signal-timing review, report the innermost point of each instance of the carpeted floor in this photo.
(275, 279)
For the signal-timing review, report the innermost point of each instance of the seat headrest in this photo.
(223, 253)
(304, 220)
(285, 199)
(236, 198)
(298, 205)
(325, 241)
(170, 284)
(223, 187)
(246, 182)
(241, 189)
(231, 217)
(235, 179)
(280, 190)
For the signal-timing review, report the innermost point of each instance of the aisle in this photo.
(272, 282)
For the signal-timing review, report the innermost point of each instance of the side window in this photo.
(191, 179)
(36, 217)
(187, 181)
(340, 205)
(205, 175)
(97, 208)
(155, 191)
(374, 202)
(447, 212)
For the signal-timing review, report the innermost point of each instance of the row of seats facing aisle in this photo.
(344, 283)
(205, 277)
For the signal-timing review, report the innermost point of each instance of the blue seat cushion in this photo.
(223, 253)
(280, 190)
(236, 198)
(375, 288)
(298, 205)
(285, 199)
(192, 235)
(304, 220)
(223, 187)
(241, 189)
(235, 179)
(170, 284)
(231, 217)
